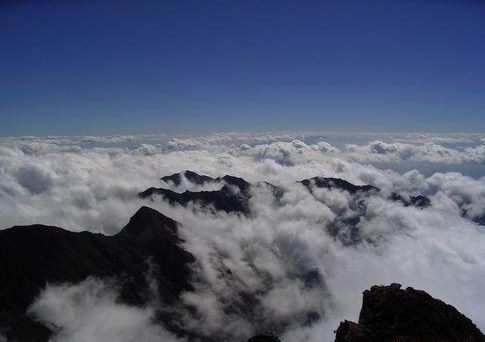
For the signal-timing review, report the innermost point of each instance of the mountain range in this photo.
(150, 250)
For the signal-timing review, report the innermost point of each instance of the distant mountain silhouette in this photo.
(32, 256)
(415, 201)
(337, 183)
(234, 195)
(391, 314)
(191, 176)
(225, 199)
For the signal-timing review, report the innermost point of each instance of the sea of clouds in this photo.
(91, 183)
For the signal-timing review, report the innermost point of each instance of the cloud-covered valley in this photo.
(303, 279)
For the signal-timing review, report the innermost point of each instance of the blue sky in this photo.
(96, 67)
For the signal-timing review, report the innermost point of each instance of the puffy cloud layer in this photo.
(282, 255)
(88, 311)
(428, 151)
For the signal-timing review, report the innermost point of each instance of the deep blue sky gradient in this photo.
(95, 67)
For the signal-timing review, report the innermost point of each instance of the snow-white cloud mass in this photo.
(281, 254)
(89, 311)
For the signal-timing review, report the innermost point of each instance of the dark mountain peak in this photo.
(390, 313)
(225, 199)
(337, 183)
(241, 183)
(191, 176)
(147, 222)
(198, 179)
(32, 256)
(419, 201)
(353, 332)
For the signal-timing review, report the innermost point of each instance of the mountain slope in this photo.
(32, 256)
(390, 313)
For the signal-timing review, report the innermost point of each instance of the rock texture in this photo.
(353, 332)
(390, 313)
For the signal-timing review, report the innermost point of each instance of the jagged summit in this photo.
(241, 183)
(225, 199)
(32, 256)
(390, 313)
(191, 176)
(337, 183)
(147, 222)
(195, 178)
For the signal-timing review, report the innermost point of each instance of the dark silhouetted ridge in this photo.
(235, 194)
(390, 313)
(32, 256)
(337, 183)
(238, 182)
(225, 199)
(191, 176)
(233, 197)
(416, 201)
(148, 223)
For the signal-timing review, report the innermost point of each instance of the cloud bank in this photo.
(89, 311)
(303, 279)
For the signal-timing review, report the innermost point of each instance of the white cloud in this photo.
(271, 253)
(428, 151)
(89, 311)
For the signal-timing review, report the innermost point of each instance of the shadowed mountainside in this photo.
(32, 256)
(390, 313)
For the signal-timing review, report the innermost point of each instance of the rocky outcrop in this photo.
(390, 313)
(353, 332)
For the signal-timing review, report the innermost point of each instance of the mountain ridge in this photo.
(33, 256)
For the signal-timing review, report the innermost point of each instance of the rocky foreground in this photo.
(390, 313)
